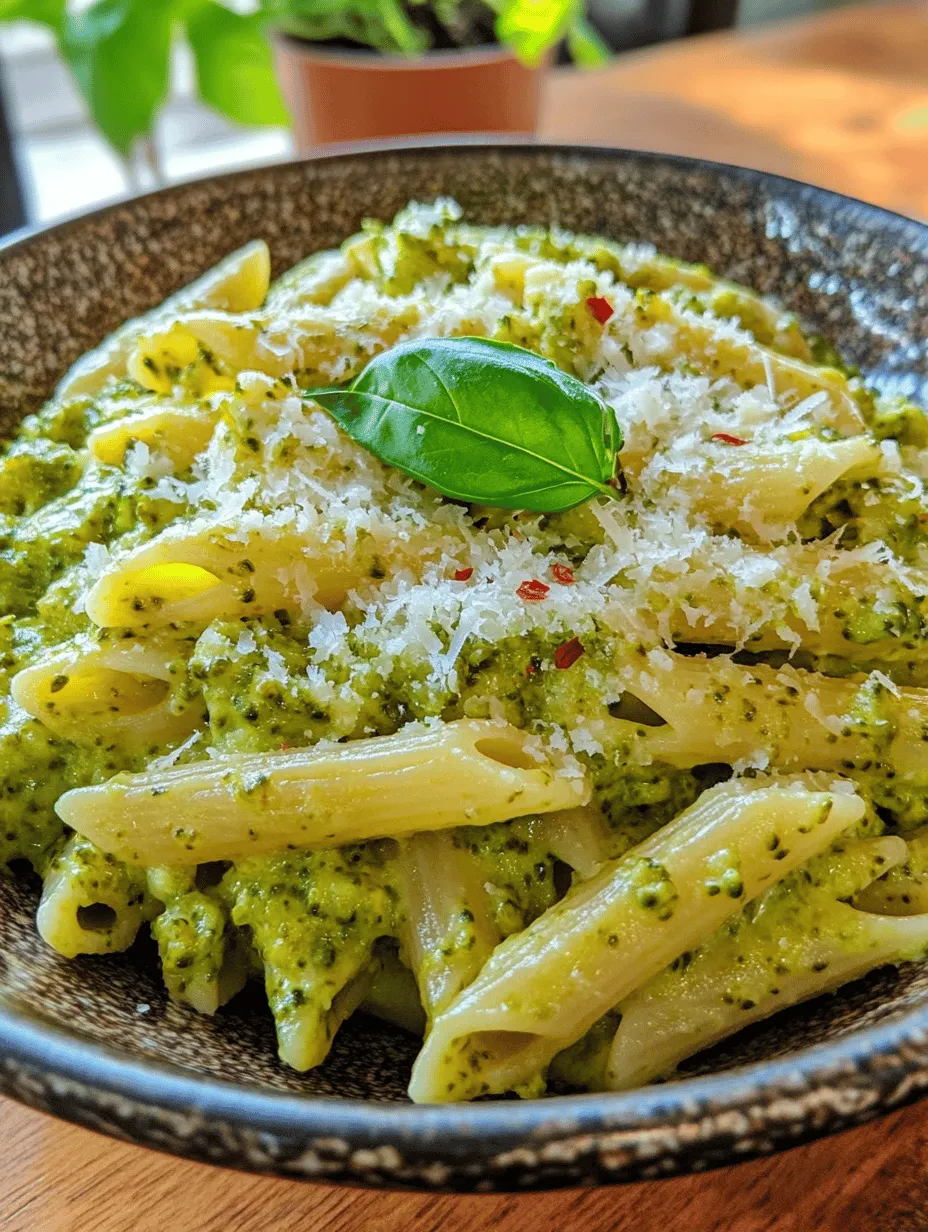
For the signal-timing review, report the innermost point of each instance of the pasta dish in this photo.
(519, 636)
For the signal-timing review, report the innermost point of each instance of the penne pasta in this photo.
(715, 708)
(462, 773)
(744, 972)
(318, 940)
(579, 837)
(239, 283)
(747, 362)
(204, 959)
(179, 433)
(904, 889)
(194, 574)
(109, 692)
(570, 790)
(544, 988)
(449, 930)
(760, 490)
(394, 997)
(91, 903)
(201, 351)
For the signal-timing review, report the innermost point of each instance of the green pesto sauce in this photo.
(637, 800)
(32, 473)
(582, 1066)
(313, 918)
(400, 256)
(891, 509)
(38, 767)
(104, 505)
(516, 869)
(202, 954)
(251, 709)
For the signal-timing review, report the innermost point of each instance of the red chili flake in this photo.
(569, 653)
(601, 309)
(530, 670)
(532, 591)
(461, 575)
(285, 747)
(727, 439)
(563, 575)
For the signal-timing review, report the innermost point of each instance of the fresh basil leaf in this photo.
(235, 71)
(481, 421)
(118, 51)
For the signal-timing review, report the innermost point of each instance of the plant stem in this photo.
(143, 165)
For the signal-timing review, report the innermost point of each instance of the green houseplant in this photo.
(529, 27)
(119, 52)
(355, 69)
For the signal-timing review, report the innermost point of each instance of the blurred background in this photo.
(107, 97)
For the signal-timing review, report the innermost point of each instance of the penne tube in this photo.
(394, 997)
(578, 836)
(193, 574)
(746, 362)
(91, 903)
(448, 931)
(315, 280)
(203, 958)
(715, 709)
(771, 326)
(316, 937)
(469, 772)
(904, 889)
(798, 941)
(544, 988)
(238, 283)
(204, 351)
(180, 433)
(305, 1037)
(760, 490)
(114, 693)
(827, 601)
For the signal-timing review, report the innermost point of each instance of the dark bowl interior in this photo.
(97, 1041)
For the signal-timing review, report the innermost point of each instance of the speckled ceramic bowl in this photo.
(96, 1040)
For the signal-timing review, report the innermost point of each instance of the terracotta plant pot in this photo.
(358, 95)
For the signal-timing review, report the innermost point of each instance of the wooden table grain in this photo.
(841, 100)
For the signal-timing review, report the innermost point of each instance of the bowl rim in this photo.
(487, 143)
(894, 1054)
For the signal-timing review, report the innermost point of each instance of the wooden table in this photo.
(842, 100)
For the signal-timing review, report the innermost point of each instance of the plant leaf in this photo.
(587, 47)
(235, 70)
(48, 12)
(530, 27)
(481, 421)
(381, 24)
(118, 51)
